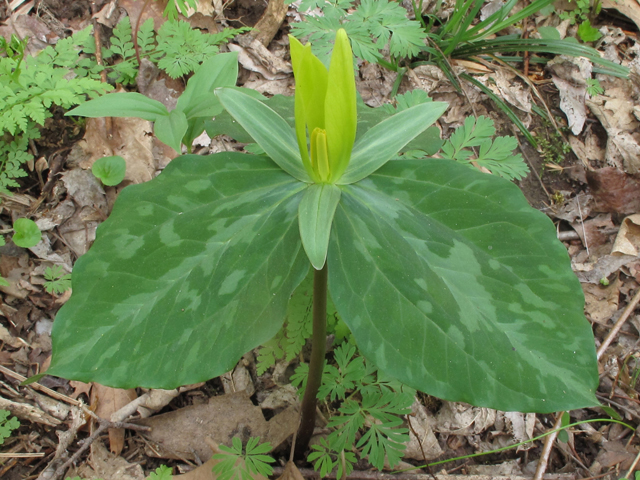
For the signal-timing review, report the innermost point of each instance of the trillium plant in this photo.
(449, 281)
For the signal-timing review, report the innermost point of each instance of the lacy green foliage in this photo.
(13, 154)
(182, 48)
(236, 463)
(593, 87)
(288, 342)
(375, 420)
(581, 11)
(161, 473)
(371, 25)
(57, 281)
(7, 425)
(171, 10)
(407, 100)
(29, 87)
(178, 48)
(494, 154)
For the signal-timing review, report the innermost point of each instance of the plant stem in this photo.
(316, 365)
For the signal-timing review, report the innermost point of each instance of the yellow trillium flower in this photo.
(325, 108)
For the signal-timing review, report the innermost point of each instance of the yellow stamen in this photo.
(320, 154)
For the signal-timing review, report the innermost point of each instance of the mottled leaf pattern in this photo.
(452, 284)
(191, 270)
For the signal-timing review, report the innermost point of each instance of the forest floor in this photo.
(591, 191)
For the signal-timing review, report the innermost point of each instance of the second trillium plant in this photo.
(449, 281)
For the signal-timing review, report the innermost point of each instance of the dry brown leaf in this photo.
(593, 232)
(568, 75)
(463, 419)
(291, 472)
(628, 9)
(205, 472)
(421, 436)
(628, 240)
(8, 339)
(521, 427)
(79, 388)
(107, 401)
(131, 138)
(153, 10)
(270, 22)
(614, 191)
(601, 302)
(106, 466)
(182, 433)
(601, 268)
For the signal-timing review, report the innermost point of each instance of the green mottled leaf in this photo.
(452, 284)
(129, 104)
(315, 215)
(267, 128)
(170, 129)
(191, 270)
(380, 143)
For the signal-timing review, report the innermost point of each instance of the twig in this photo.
(108, 123)
(548, 444)
(22, 455)
(584, 231)
(86, 443)
(618, 325)
(424, 457)
(529, 162)
(134, 34)
(42, 388)
(546, 450)
(633, 466)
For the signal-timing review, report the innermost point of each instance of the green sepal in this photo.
(315, 215)
(125, 104)
(381, 142)
(267, 128)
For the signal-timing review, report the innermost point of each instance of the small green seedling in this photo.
(57, 281)
(110, 170)
(253, 460)
(447, 279)
(26, 233)
(182, 124)
(593, 87)
(161, 473)
(7, 425)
